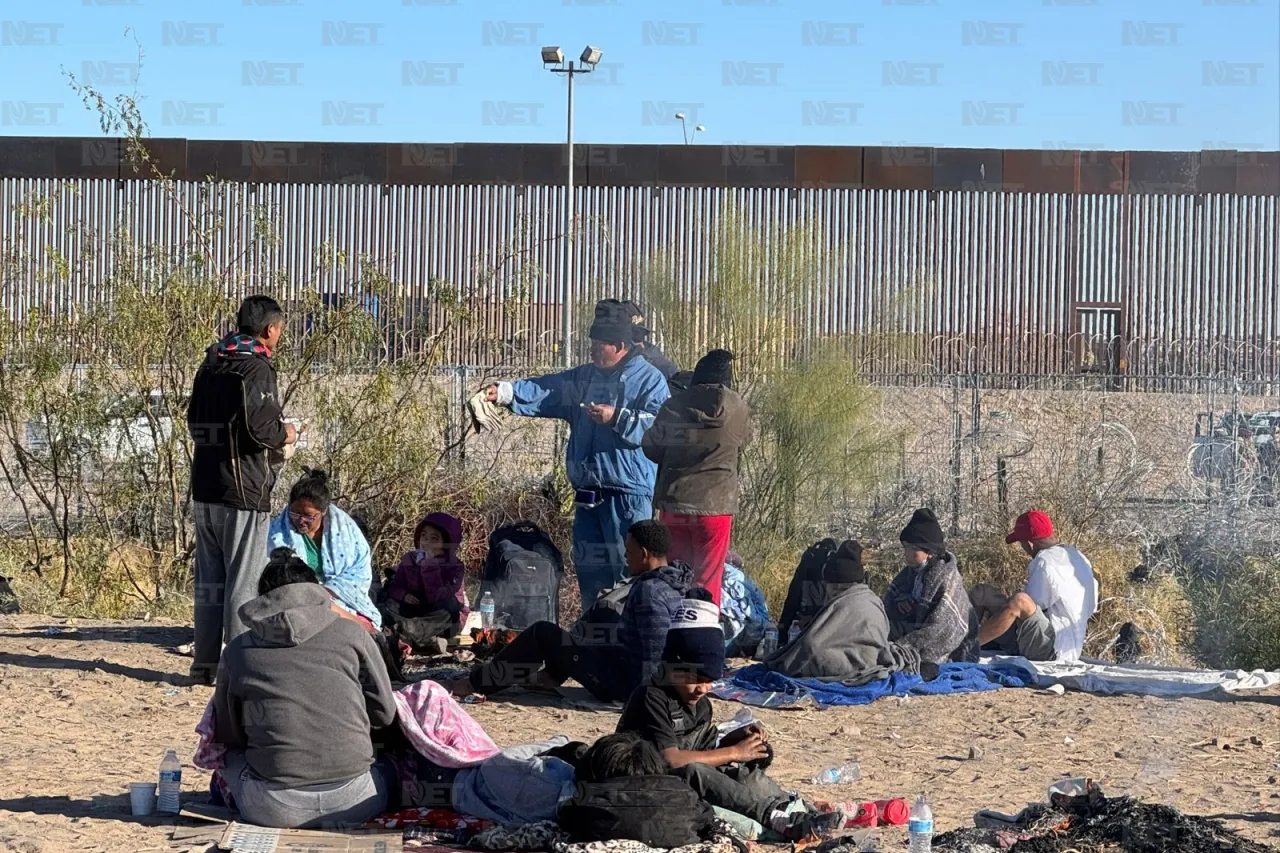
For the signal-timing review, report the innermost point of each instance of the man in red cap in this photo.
(1048, 619)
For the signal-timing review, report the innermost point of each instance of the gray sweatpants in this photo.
(337, 804)
(231, 552)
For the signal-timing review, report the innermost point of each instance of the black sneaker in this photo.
(808, 826)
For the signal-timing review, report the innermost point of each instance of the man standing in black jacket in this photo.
(236, 424)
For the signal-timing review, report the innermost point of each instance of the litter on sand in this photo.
(1079, 818)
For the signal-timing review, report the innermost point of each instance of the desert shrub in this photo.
(1237, 615)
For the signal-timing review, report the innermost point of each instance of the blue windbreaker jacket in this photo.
(600, 456)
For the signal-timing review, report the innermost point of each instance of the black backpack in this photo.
(807, 593)
(523, 570)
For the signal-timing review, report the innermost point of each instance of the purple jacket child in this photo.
(430, 577)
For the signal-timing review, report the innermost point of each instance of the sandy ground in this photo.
(85, 711)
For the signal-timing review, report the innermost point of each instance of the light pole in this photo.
(553, 60)
(684, 131)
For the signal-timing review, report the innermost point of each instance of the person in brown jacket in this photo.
(696, 440)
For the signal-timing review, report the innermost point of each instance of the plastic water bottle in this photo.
(487, 606)
(842, 775)
(769, 644)
(170, 784)
(920, 826)
(793, 633)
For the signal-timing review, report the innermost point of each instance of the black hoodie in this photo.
(235, 420)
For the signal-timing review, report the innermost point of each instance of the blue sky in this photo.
(1123, 74)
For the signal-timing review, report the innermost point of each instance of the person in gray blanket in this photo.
(927, 604)
(848, 640)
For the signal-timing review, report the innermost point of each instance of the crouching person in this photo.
(297, 697)
(674, 714)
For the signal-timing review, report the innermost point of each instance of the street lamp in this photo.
(553, 60)
(684, 131)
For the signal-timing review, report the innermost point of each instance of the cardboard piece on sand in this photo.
(242, 838)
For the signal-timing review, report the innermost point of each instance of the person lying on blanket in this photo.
(622, 785)
(674, 714)
(848, 640)
(296, 699)
(609, 665)
(927, 605)
(1048, 619)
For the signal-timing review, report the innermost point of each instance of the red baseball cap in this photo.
(1030, 526)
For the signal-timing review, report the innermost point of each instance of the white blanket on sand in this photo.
(1108, 679)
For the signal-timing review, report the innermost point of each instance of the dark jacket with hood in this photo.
(696, 440)
(848, 641)
(929, 611)
(646, 617)
(235, 419)
(300, 692)
(658, 811)
(436, 582)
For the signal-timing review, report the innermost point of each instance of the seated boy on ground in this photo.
(611, 666)
(1049, 618)
(624, 791)
(674, 714)
(296, 699)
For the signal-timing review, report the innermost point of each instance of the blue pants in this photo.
(599, 537)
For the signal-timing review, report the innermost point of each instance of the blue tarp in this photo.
(755, 685)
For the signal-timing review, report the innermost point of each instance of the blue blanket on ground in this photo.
(755, 685)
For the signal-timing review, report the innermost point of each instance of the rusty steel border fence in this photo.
(1145, 291)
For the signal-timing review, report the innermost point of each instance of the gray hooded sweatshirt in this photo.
(300, 691)
(848, 641)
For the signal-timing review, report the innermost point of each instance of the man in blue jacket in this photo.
(609, 404)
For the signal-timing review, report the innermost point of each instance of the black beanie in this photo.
(845, 565)
(612, 322)
(696, 639)
(714, 368)
(924, 532)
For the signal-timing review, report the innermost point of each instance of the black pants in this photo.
(544, 644)
(746, 791)
(417, 625)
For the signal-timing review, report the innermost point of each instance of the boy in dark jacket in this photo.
(425, 599)
(612, 663)
(236, 426)
(927, 605)
(297, 697)
(674, 714)
(696, 441)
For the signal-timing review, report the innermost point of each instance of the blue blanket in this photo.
(755, 685)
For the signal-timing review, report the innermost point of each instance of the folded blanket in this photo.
(755, 685)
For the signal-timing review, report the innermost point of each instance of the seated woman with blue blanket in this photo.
(330, 542)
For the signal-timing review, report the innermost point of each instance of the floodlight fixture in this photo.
(552, 55)
(591, 56)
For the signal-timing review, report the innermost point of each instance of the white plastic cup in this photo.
(142, 798)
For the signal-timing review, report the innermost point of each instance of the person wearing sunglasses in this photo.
(330, 542)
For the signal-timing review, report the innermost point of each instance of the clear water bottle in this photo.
(769, 644)
(793, 633)
(842, 775)
(170, 786)
(920, 826)
(487, 606)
